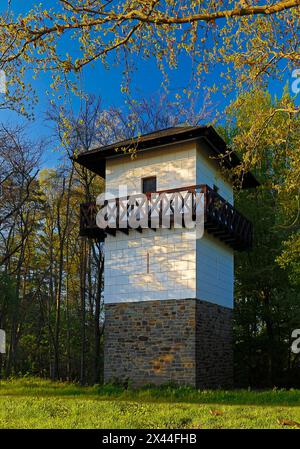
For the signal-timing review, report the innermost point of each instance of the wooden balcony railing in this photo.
(88, 226)
(220, 218)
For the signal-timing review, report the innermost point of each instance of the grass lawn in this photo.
(35, 403)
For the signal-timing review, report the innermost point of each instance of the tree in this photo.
(18, 170)
(266, 302)
(249, 41)
(266, 298)
(19, 206)
(74, 133)
(266, 132)
(92, 126)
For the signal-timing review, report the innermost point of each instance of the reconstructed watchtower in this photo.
(168, 293)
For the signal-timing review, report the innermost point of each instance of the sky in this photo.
(105, 83)
(96, 80)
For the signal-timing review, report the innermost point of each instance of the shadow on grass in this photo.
(33, 387)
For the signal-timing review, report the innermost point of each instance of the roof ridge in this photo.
(119, 143)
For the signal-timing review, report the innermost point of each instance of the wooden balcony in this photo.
(88, 226)
(221, 219)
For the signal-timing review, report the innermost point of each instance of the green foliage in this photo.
(267, 302)
(244, 42)
(289, 258)
(267, 306)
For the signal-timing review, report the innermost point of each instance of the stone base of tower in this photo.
(187, 342)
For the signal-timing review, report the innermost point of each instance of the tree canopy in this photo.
(249, 40)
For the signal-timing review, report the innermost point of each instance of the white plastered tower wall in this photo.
(214, 259)
(167, 263)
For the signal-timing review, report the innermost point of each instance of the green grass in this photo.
(35, 403)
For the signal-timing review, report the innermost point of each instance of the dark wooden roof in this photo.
(95, 158)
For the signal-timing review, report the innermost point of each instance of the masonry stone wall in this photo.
(180, 341)
(214, 345)
(150, 342)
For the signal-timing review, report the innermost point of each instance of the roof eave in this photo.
(94, 160)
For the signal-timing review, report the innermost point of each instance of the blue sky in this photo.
(106, 83)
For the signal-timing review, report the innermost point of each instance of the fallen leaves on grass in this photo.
(288, 422)
(216, 412)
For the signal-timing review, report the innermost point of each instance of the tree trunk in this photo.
(97, 328)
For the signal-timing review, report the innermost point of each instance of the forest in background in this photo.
(51, 304)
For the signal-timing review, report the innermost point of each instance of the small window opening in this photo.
(149, 185)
